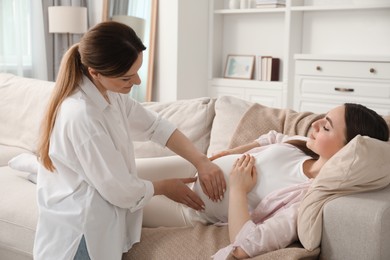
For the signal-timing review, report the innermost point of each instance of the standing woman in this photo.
(89, 195)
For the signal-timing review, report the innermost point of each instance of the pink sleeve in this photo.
(277, 232)
(273, 137)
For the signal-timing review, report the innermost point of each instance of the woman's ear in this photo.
(94, 74)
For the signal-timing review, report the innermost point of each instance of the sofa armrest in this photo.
(357, 226)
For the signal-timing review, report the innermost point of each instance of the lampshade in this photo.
(136, 23)
(67, 19)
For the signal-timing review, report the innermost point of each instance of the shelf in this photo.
(272, 85)
(251, 10)
(339, 7)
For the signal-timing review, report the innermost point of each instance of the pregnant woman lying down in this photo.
(268, 178)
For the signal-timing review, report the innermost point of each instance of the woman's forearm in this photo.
(238, 213)
(211, 176)
(182, 146)
(246, 147)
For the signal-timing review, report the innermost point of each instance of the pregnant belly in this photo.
(217, 211)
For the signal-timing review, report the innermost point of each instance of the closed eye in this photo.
(326, 129)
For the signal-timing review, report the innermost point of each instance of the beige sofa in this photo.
(354, 226)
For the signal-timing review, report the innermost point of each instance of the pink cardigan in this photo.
(273, 223)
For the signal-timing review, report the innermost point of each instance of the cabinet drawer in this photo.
(320, 107)
(360, 69)
(344, 88)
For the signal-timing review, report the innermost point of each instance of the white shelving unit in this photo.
(311, 27)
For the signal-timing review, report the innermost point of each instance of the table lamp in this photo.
(68, 19)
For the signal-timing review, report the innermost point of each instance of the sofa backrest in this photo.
(193, 117)
(22, 102)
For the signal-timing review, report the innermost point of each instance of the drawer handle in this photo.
(372, 70)
(318, 68)
(344, 89)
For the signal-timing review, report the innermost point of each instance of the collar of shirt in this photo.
(92, 92)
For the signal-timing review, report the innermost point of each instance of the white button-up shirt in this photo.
(95, 190)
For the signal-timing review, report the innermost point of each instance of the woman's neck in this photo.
(101, 89)
(312, 167)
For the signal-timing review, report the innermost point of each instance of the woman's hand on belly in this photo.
(243, 176)
(177, 190)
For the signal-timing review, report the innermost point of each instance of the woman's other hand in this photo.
(212, 180)
(221, 154)
(177, 190)
(243, 176)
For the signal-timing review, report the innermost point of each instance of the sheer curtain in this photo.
(22, 45)
(141, 9)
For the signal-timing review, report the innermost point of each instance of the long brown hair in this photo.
(110, 48)
(359, 120)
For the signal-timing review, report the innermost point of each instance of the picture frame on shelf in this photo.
(239, 66)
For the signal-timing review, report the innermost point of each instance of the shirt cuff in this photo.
(149, 192)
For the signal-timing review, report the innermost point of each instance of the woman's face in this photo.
(328, 135)
(122, 84)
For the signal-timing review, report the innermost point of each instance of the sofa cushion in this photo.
(18, 214)
(228, 112)
(8, 152)
(362, 165)
(26, 162)
(193, 117)
(22, 103)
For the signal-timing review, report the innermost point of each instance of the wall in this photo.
(181, 50)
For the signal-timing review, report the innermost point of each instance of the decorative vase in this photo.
(234, 4)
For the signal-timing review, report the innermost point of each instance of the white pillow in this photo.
(228, 112)
(9, 152)
(193, 117)
(26, 162)
(22, 104)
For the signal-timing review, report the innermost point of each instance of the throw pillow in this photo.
(8, 152)
(259, 120)
(362, 165)
(228, 112)
(22, 104)
(26, 162)
(193, 117)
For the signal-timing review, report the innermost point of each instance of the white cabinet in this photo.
(322, 82)
(310, 27)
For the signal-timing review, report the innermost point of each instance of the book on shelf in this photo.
(273, 69)
(268, 68)
(258, 67)
(270, 6)
(270, 3)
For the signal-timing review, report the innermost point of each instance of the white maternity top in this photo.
(278, 166)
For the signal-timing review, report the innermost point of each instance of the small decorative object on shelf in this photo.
(234, 4)
(270, 3)
(239, 66)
